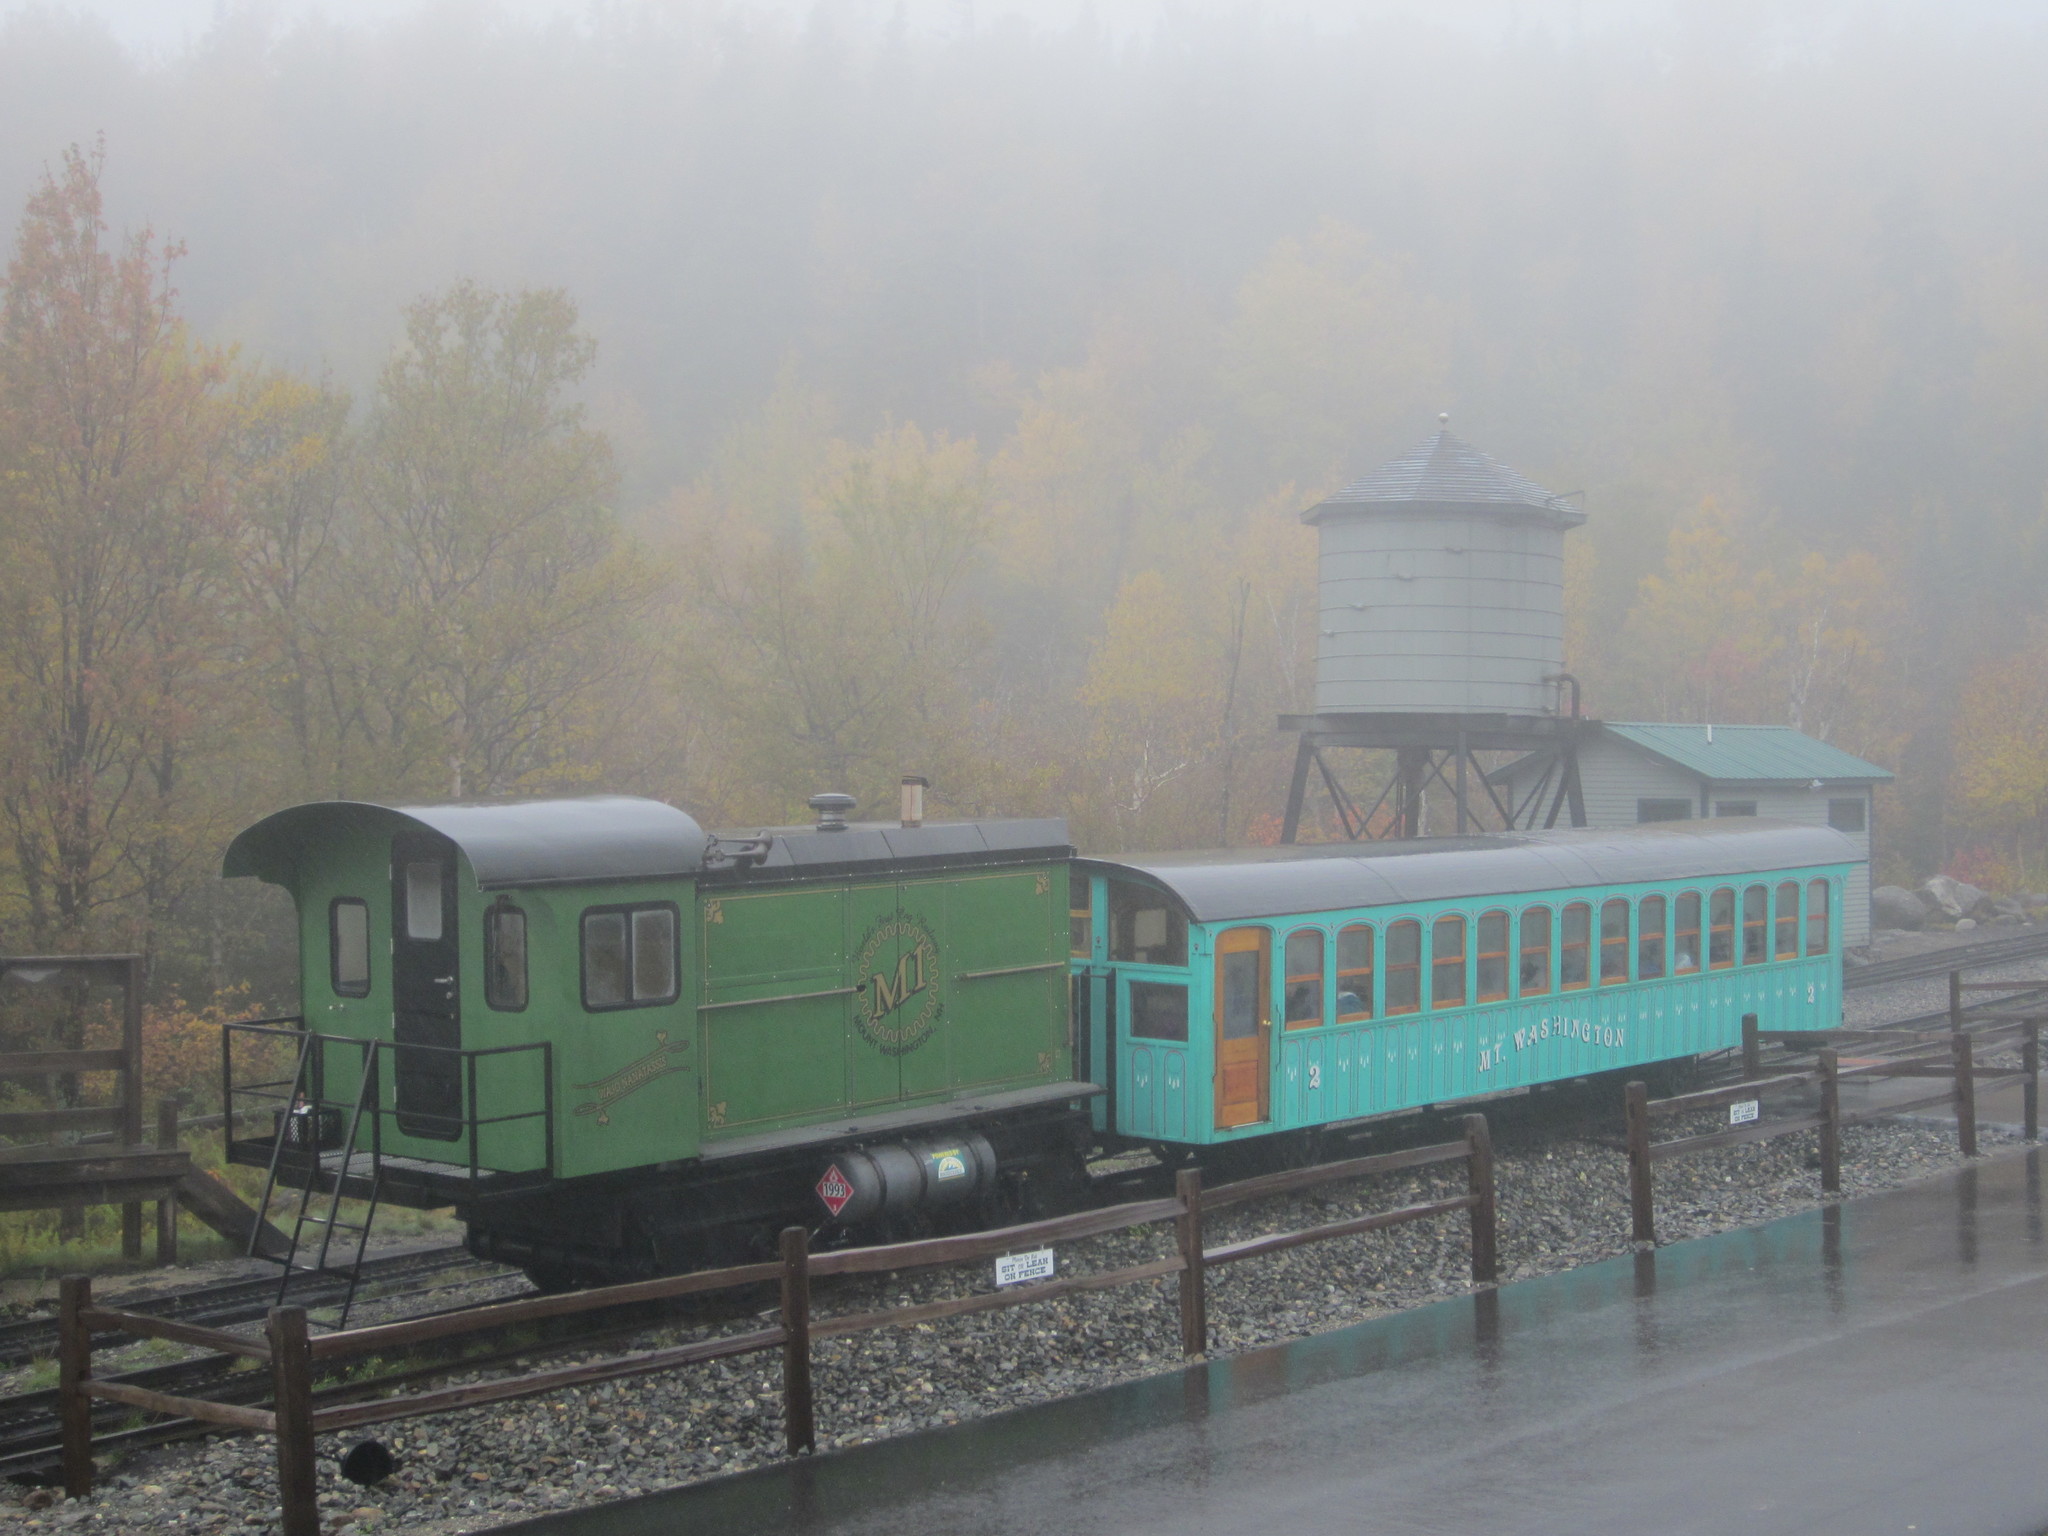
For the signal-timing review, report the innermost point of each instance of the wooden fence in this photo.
(1950, 1055)
(291, 1354)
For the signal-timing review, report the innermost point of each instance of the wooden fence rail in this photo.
(292, 1354)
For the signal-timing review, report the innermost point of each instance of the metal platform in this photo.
(408, 1181)
(1866, 1368)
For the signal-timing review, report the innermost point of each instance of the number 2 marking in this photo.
(1315, 1074)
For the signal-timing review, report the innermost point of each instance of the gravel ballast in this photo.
(1562, 1186)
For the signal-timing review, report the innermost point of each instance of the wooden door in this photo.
(426, 1000)
(1244, 1022)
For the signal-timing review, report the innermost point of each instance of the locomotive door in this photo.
(1244, 1026)
(426, 989)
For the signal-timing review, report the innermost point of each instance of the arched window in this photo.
(1685, 934)
(1756, 925)
(1650, 938)
(1493, 957)
(1535, 951)
(1576, 936)
(1785, 934)
(1404, 966)
(1816, 917)
(1354, 973)
(1721, 929)
(1304, 957)
(1447, 963)
(1613, 941)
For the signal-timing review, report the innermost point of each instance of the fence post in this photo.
(1636, 1107)
(131, 1094)
(1752, 1048)
(1194, 1279)
(167, 1207)
(1955, 1002)
(2030, 1090)
(74, 1369)
(1485, 1215)
(799, 1426)
(1966, 1093)
(1831, 1122)
(291, 1373)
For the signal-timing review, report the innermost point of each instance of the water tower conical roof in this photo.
(1447, 472)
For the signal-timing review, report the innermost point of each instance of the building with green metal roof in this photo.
(1633, 771)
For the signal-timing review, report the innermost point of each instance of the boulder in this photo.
(1965, 924)
(1951, 897)
(1893, 906)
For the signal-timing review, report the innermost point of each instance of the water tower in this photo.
(1441, 635)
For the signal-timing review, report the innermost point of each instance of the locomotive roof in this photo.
(1277, 882)
(805, 851)
(507, 842)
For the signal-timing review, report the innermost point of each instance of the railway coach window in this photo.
(1304, 958)
(348, 946)
(1143, 929)
(1159, 1011)
(1447, 963)
(1493, 956)
(1404, 966)
(1816, 917)
(1535, 951)
(1576, 936)
(505, 957)
(1650, 938)
(1756, 925)
(1721, 929)
(1613, 941)
(629, 957)
(1354, 973)
(1685, 946)
(1786, 934)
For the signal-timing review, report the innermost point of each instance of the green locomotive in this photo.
(619, 1045)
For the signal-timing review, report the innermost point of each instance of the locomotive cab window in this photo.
(1404, 966)
(629, 956)
(1756, 923)
(1785, 944)
(1613, 941)
(1535, 951)
(423, 900)
(1447, 963)
(1493, 957)
(1721, 929)
(348, 946)
(1081, 921)
(1354, 973)
(1816, 917)
(505, 957)
(1576, 936)
(1143, 929)
(1685, 939)
(1304, 959)
(1650, 938)
(1159, 1011)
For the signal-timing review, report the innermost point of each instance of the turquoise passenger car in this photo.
(1228, 996)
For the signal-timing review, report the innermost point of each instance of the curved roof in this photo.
(515, 842)
(1328, 877)
(1447, 473)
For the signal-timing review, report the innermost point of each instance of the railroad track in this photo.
(2025, 946)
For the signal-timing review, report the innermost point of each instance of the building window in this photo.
(1354, 973)
(505, 957)
(1535, 951)
(1847, 815)
(1816, 917)
(1404, 966)
(1143, 929)
(1493, 957)
(1159, 1011)
(1734, 807)
(1756, 915)
(1721, 929)
(348, 946)
(1304, 959)
(1575, 935)
(1447, 963)
(1786, 932)
(1663, 810)
(1685, 933)
(629, 957)
(1613, 941)
(1650, 938)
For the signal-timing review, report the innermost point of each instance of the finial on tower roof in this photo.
(1444, 418)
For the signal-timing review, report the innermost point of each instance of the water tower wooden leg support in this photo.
(1297, 789)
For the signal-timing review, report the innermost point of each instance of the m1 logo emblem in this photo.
(834, 1190)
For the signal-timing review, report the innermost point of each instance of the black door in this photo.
(426, 999)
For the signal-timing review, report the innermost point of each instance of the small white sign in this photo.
(1743, 1113)
(1016, 1268)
